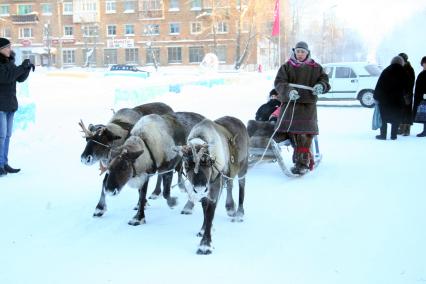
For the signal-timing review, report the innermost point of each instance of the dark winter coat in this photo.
(308, 73)
(419, 91)
(265, 110)
(389, 92)
(407, 109)
(9, 75)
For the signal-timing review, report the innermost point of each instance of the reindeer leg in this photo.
(187, 209)
(230, 204)
(205, 246)
(240, 212)
(101, 208)
(167, 183)
(139, 218)
(157, 191)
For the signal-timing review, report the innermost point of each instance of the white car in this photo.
(352, 80)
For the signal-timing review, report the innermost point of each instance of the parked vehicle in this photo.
(126, 70)
(352, 80)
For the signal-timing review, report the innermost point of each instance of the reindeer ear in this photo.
(134, 155)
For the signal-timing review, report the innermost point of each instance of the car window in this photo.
(373, 70)
(345, 72)
(329, 71)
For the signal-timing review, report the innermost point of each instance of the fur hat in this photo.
(397, 60)
(273, 92)
(4, 42)
(302, 45)
(423, 60)
(404, 56)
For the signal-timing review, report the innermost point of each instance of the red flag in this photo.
(276, 27)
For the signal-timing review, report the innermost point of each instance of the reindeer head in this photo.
(199, 167)
(121, 169)
(98, 142)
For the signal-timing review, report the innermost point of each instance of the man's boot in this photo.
(11, 170)
(2, 172)
(407, 130)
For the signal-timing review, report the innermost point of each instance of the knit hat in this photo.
(302, 45)
(398, 60)
(404, 56)
(4, 42)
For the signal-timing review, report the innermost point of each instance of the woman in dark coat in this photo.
(407, 114)
(298, 110)
(389, 92)
(420, 93)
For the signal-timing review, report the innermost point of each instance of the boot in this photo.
(299, 169)
(401, 129)
(2, 172)
(383, 132)
(423, 133)
(406, 130)
(11, 170)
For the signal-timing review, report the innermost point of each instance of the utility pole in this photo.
(47, 33)
(59, 7)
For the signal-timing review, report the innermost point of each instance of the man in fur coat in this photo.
(9, 75)
(298, 114)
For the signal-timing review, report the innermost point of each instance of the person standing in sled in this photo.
(298, 114)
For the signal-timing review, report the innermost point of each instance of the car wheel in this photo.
(366, 98)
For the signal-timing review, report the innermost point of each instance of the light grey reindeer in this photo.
(150, 149)
(100, 139)
(216, 152)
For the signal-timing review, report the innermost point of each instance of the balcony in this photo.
(24, 19)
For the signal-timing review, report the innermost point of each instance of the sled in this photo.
(264, 149)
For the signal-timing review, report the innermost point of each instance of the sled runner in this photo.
(264, 149)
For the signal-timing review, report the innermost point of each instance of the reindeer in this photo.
(150, 149)
(101, 138)
(216, 152)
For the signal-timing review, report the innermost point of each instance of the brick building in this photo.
(144, 32)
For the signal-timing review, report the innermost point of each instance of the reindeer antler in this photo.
(87, 132)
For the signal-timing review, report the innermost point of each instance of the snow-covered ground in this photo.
(360, 217)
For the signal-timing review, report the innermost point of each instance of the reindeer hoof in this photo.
(153, 196)
(136, 222)
(99, 212)
(239, 217)
(186, 211)
(172, 202)
(204, 250)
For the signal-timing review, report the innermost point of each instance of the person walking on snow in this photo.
(298, 114)
(9, 75)
(420, 93)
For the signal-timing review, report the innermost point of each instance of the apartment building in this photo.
(66, 33)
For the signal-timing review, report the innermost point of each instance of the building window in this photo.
(196, 54)
(6, 32)
(174, 28)
(132, 55)
(68, 56)
(174, 54)
(111, 30)
(110, 56)
(24, 9)
(110, 7)
(46, 9)
(68, 31)
(90, 31)
(129, 29)
(152, 54)
(67, 8)
(196, 5)
(222, 28)
(152, 29)
(195, 27)
(129, 6)
(221, 53)
(4, 10)
(174, 5)
(151, 9)
(25, 32)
